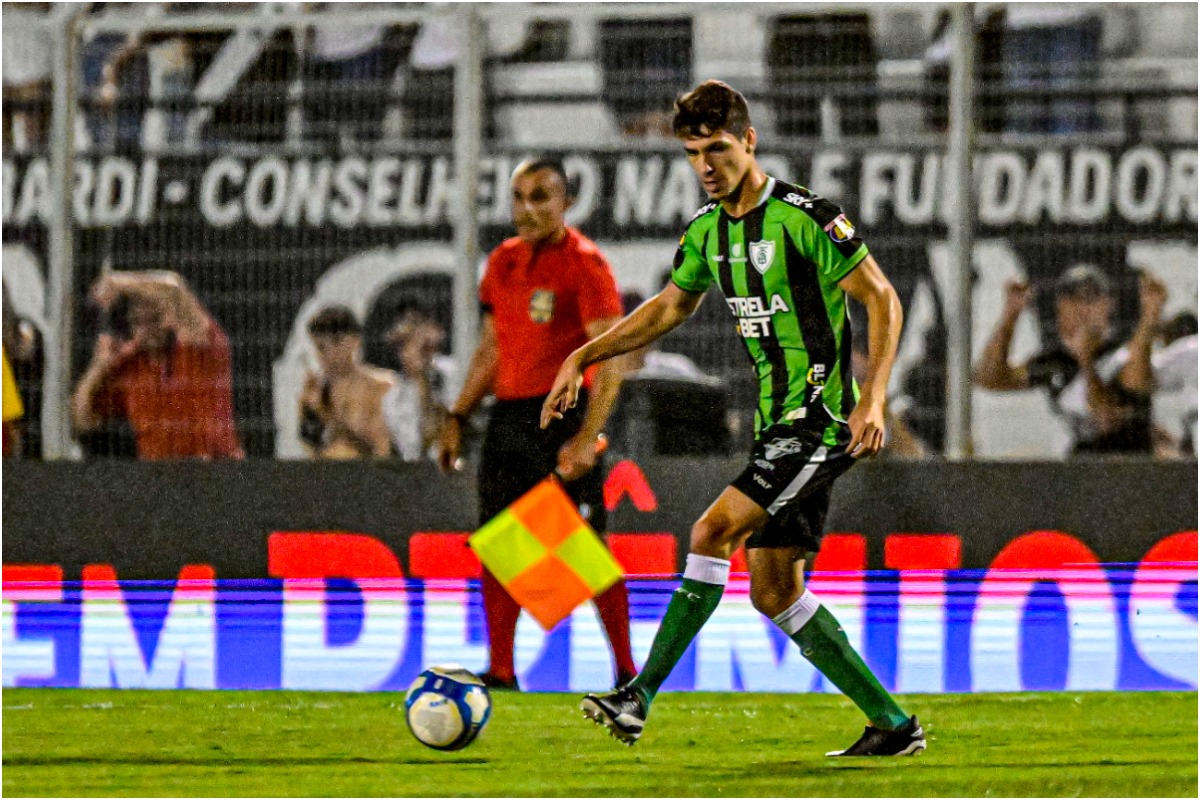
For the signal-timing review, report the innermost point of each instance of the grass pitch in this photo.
(85, 743)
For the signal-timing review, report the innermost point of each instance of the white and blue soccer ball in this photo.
(446, 707)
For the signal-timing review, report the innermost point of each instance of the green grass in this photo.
(86, 743)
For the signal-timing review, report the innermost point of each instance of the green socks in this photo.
(823, 642)
(692, 604)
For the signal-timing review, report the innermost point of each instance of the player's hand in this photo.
(1016, 297)
(866, 430)
(1152, 294)
(576, 458)
(450, 445)
(565, 392)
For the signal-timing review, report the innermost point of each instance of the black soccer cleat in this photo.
(908, 741)
(623, 712)
(495, 683)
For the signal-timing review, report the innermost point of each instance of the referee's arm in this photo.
(481, 375)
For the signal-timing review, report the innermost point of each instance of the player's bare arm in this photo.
(481, 375)
(651, 320)
(578, 456)
(868, 285)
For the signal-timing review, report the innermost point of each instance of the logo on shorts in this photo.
(782, 447)
(762, 255)
(764, 464)
(763, 482)
(541, 306)
(816, 375)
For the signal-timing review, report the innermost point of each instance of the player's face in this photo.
(147, 325)
(539, 205)
(337, 352)
(721, 161)
(1078, 313)
(418, 350)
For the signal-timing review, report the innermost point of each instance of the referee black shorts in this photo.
(790, 475)
(518, 454)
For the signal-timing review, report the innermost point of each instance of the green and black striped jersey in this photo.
(778, 267)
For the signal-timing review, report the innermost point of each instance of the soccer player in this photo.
(785, 260)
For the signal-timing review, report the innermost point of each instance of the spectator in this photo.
(545, 292)
(415, 407)
(348, 72)
(1175, 373)
(167, 372)
(645, 62)
(808, 52)
(1101, 389)
(341, 408)
(28, 63)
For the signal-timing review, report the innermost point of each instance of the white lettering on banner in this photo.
(875, 191)
(32, 658)
(409, 211)
(1141, 178)
(825, 176)
(591, 662)
(213, 206)
(1093, 644)
(916, 209)
(437, 196)
(634, 190)
(309, 190)
(266, 191)
(736, 637)
(184, 657)
(1163, 634)
(381, 190)
(35, 193)
(1001, 183)
(1181, 187)
(444, 638)
(1044, 189)
(309, 662)
(921, 638)
(1091, 186)
(348, 190)
(586, 173)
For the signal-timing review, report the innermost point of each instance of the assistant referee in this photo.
(545, 292)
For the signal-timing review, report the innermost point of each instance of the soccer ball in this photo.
(446, 707)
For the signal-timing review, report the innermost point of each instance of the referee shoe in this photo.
(623, 712)
(906, 741)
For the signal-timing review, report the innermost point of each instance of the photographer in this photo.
(166, 372)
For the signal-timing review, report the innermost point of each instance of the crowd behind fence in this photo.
(237, 172)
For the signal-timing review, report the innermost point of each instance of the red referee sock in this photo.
(501, 612)
(613, 606)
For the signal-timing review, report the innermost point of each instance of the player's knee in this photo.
(713, 534)
(773, 600)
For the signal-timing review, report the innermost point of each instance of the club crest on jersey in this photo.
(541, 306)
(762, 255)
(841, 230)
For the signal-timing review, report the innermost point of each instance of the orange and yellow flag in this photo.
(545, 554)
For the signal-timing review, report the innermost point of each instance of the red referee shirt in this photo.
(541, 303)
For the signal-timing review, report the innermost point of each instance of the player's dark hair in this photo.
(552, 163)
(711, 107)
(334, 321)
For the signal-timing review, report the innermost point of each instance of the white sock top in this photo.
(798, 613)
(707, 569)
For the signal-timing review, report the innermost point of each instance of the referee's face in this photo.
(721, 162)
(539, 205)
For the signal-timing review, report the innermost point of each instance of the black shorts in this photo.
(518, 454)
(791, 474)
